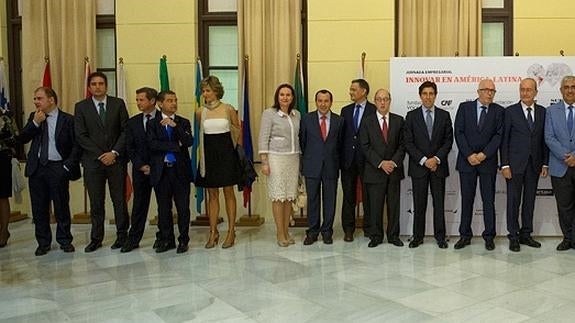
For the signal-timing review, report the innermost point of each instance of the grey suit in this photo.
(97, 137)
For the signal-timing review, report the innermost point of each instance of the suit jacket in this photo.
(96, 138)
(419, 145)
(137, 140)
(472, 140)
(519, 142)
(320, 157)
(351, 145)
(376, 150)
(559, 140)
(65, 143)
(160, 145)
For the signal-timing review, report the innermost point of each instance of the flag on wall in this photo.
(4, 95)
(300, 100)
(47, 77)
(164, 80)
(246, 132)
(196, 145)
(121, 75)
(87, 73)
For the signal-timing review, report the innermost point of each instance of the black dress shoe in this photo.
(156, 244)
(530, 242)
(165, 246)
(327, 239)
(68, 248)
(119, 243)
(348, 237)
(415, 243)
(129, 246)
(514, 245)
(40, 251)
(489, 244)
(396, 242)
(462, 243)
(564, 245)
(182, 247)
(442, 244)
(93, 246)
(309, 239)
(373, 243)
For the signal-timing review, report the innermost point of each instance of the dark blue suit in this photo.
(418, 144)
(171, 182)
(320, 166)
(352, 165)
(470, 139)
(50, 182)
(139, 154)
(525, 152)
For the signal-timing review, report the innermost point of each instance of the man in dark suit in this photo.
(560, 138)
(139, 154)
(320, 135)
(428, 140)
(100, 122)
(524, 157)
(381, 137)
(171, 171)
(52, 163)
(478, 133)
(352, 159)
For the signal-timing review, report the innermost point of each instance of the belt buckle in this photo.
(169, 164)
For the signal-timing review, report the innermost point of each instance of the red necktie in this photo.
(323, 128)
(384, 129)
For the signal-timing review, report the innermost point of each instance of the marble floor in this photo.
(257, 281)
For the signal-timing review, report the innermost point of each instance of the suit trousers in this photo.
(349, 178)
(50, 183)
(420, 190)
(95, 181)
(564, 190)
(173, 188)
(521, 190)
(468, 182)
(140, 206)
(379, 194)
(324, 190)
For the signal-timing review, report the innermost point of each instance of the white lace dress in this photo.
(283, 178)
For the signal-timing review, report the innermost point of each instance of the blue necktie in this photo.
(530, 122)
(429, 123)
(170, 156)
(482, 117)
(356, 117)
(570, 119)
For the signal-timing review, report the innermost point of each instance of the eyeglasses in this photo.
(382, 99)
(488, 90)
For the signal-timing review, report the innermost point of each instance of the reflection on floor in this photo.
(257, 281)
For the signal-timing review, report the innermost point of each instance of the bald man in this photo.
(478, 133)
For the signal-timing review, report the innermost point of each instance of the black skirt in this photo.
(221, 161)
(5, 174)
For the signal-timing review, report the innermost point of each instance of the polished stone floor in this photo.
(257, 281)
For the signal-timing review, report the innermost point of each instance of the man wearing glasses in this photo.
(478, 133)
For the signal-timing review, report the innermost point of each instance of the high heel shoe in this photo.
(213, 239)
(230, 240)
(5, 242)
(283, 243)
(291, 240)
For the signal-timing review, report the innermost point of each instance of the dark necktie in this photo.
(356, 117)
(170, 156)
(148, 117)
(529, 119)
(44, 143)
(429, 123)
(102, 112)
(482, 117)
(570, 119)
(323, 127)
(384, 129)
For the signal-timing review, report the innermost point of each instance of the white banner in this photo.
(457, 79)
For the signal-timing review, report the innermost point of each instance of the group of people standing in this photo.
(524, 142)
(366, 145)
